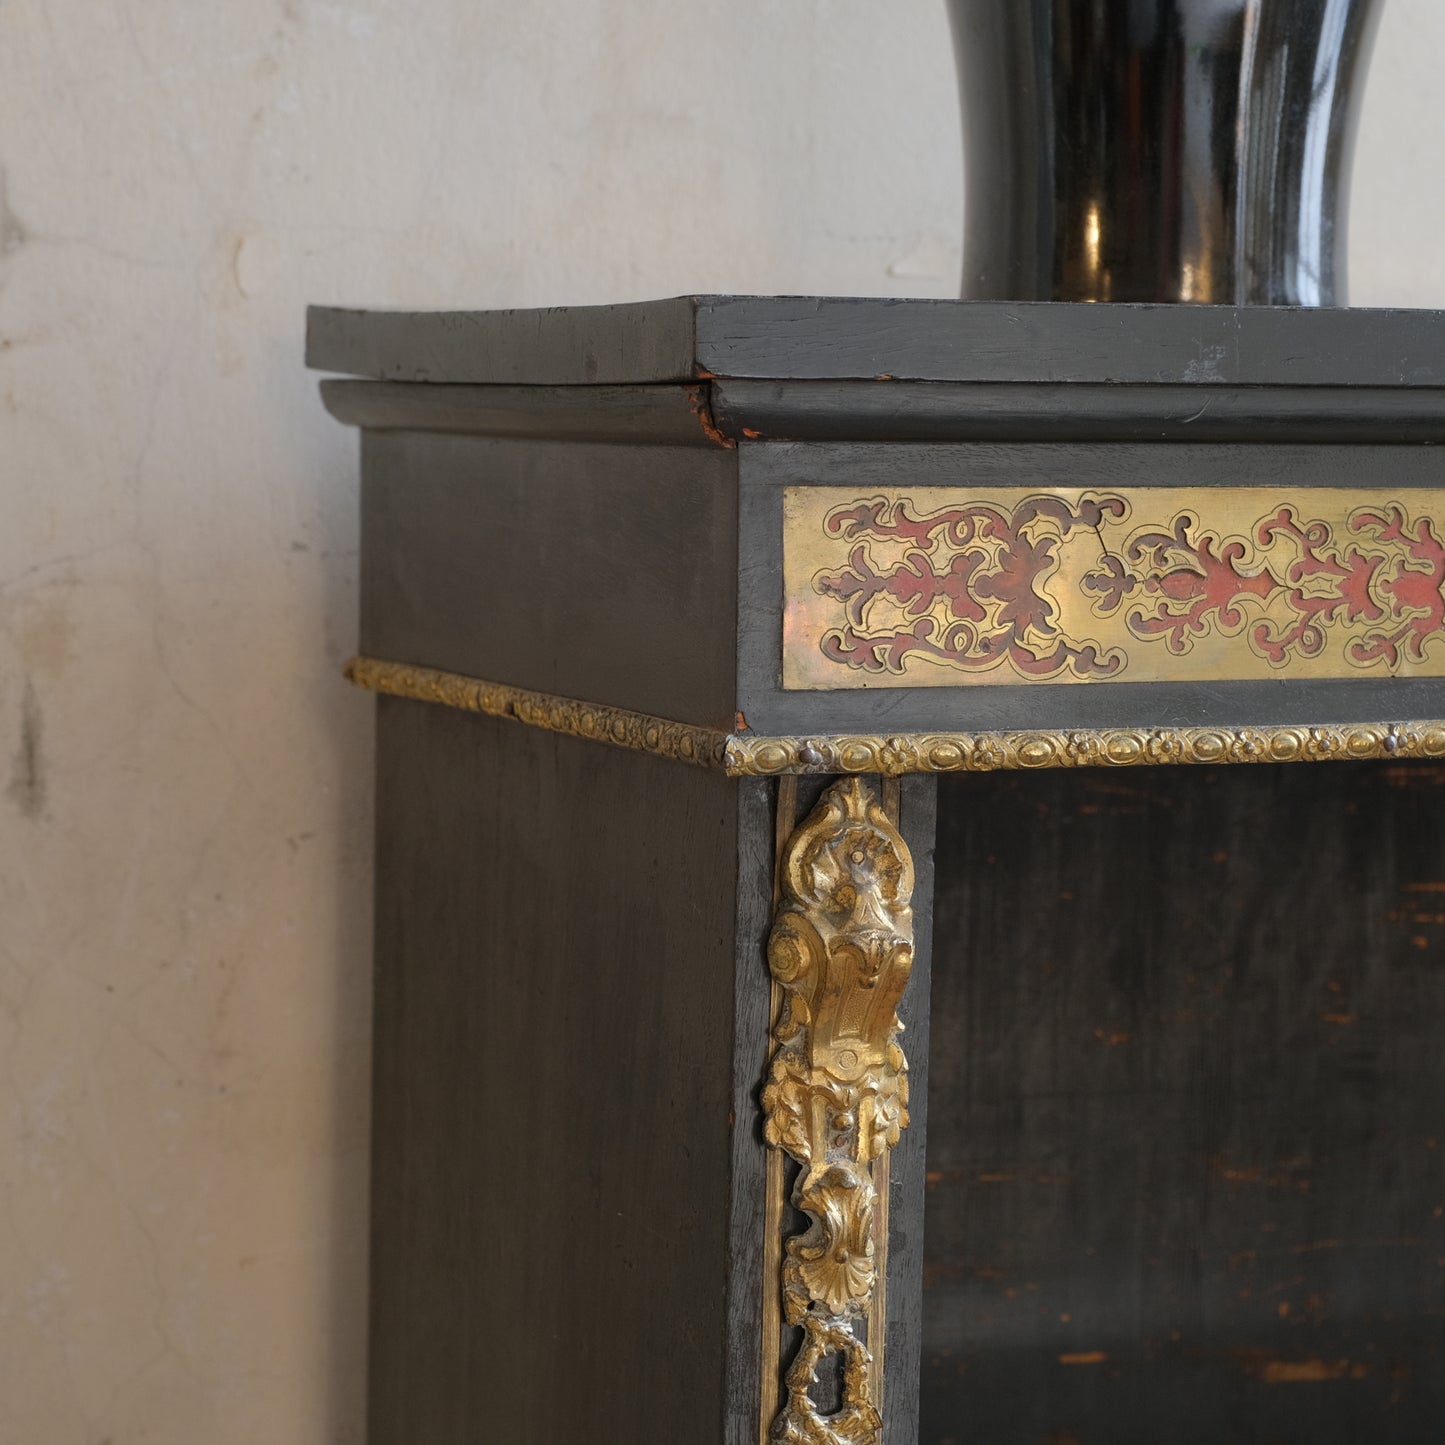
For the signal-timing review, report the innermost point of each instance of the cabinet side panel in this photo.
(591, 570)
(917, 814)
(751, 1047)
(555, 949)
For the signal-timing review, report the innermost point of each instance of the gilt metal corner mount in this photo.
(836, 1099)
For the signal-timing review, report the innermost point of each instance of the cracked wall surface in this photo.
(184, 777)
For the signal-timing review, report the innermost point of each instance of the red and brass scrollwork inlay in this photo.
(933, 586)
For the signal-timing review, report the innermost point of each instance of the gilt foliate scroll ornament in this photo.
(836, 1098)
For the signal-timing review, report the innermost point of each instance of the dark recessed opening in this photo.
(1186, 1148)
(826, 1391)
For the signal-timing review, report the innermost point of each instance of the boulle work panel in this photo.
(710, 1102)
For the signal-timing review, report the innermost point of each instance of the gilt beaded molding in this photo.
(641, 732)
(752, 755)
(947, 752)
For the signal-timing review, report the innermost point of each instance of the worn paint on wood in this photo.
(1187, 1109)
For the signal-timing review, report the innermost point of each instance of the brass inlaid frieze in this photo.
(836, 1098)
(943, 586)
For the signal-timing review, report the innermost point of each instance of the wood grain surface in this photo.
(906, 1240)
(1187, 1109)
(592, 571)
(927, 411)
(657, 415)
(553, 1123)
(690, 338)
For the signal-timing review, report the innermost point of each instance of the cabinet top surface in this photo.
(784, 338)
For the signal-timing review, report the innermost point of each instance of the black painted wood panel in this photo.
(553, 1124)
(752, 1048)
(935, 340)
(1187, 1116)
(594, 571)
(589, 345)
(689, 338)
(663, 415)
(917, 812)
(722, 413)
(930, 411)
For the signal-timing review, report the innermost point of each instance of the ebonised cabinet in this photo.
(758, 675)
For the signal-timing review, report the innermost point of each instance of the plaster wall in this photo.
(184, 778)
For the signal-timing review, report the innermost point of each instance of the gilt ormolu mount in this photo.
(820, 573)
(836, 1100)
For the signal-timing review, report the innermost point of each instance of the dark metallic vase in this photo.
(1159, 150)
